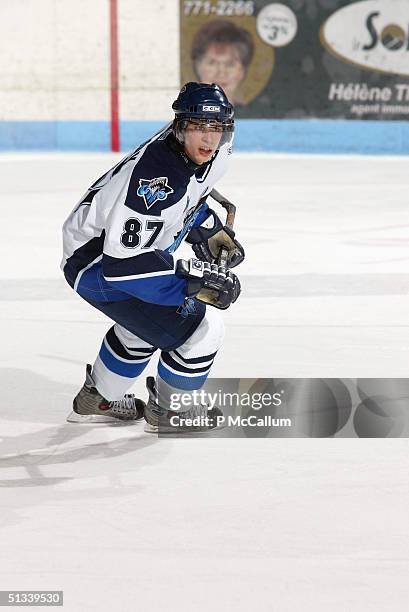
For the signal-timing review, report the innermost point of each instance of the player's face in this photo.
(201, 141)
(221, 64)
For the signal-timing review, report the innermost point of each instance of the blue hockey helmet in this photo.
(205, 105)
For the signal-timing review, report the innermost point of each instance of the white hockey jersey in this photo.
(120, 237)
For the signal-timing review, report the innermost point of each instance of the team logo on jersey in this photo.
(152, 190)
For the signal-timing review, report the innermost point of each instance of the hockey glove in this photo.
(210, 237)
(209, 283)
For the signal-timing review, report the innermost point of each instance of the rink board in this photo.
(292, 136)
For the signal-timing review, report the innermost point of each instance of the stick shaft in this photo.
(231, 213)
(227, 205)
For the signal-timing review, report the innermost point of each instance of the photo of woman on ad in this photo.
(221, 53)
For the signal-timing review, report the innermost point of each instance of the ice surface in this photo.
(124, 521)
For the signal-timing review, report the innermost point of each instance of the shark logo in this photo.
(188, 308)
(152, 190)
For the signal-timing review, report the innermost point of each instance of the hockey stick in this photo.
(231, 213)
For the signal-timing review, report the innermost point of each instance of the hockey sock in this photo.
(121, 359)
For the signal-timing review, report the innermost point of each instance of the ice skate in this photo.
(90, 407)
(159, 420)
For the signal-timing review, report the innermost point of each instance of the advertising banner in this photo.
(301, 58)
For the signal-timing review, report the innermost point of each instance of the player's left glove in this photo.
(209, 283)
(210, 237)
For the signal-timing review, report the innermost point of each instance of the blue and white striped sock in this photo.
(182, 372)
(118, 364)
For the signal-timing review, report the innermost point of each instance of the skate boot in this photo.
(90, 407)
(159, 420)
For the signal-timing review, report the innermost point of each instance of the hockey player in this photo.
(118, 255)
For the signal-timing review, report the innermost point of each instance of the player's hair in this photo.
(222, 32)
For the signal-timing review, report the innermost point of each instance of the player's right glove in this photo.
(210, 237)
(209, 283)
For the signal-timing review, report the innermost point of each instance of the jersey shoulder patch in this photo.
(157, 182)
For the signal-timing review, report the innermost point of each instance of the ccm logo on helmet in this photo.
(215, 109)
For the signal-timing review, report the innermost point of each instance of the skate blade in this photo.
(93, 419)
